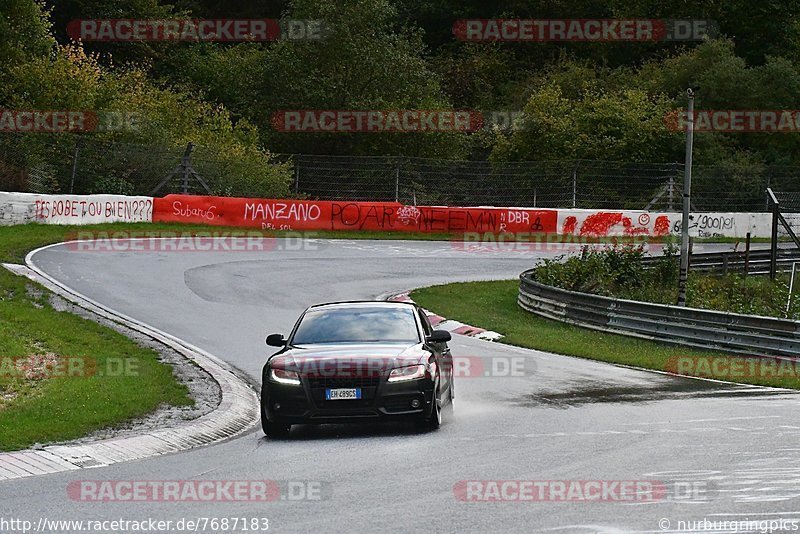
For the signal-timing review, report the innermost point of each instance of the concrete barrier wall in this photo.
(601, 223)
(21, 208)
(267, 214)
(305, 215)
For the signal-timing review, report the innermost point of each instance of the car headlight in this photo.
(281, 376)
(411, 372)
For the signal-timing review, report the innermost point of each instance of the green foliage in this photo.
(112, 185)
(625, 125)
(24, 34)
(601, 271)
(364, 62)
(68, 78)
(602, 101)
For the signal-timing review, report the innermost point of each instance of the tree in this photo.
(626, 125)
(363, 63)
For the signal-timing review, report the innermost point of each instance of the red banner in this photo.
(302, 215)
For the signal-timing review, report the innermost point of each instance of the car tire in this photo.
(274, 430)
(434, 420)
(451, 400)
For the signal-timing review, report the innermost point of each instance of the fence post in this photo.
(773, 257)
(397, 180)
(769, 186)
(297, 174)
(671, 187)
(187, 165)
(75, 164)
(747, 255)
(575, 185)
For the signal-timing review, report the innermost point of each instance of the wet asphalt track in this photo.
(569, 420)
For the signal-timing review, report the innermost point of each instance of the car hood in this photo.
(366, 357)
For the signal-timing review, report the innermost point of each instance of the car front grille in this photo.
(325, 382)
(368, 385)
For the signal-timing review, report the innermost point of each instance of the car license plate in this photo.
(342, 393)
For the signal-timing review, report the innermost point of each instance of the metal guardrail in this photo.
(756, 262)
(742, 334)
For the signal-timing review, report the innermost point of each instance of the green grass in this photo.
(75, 401)
(493, 305)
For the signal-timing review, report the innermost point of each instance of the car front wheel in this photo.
(434, 420)
(274, 430)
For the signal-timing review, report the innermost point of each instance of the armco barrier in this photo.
(744, 334)
(756, 262)
(21, 208)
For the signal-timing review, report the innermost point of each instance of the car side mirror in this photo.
(276, 340)
(439, 336)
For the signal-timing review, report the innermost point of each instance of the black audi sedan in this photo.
(360, 361)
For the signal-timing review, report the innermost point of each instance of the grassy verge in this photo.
(493, 305)
(62, 376)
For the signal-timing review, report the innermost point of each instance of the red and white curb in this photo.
(236, 413)
(454, 327)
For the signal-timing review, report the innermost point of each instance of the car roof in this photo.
(361, 304)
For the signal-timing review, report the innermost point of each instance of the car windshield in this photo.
(357, 325)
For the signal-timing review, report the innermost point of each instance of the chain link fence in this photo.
(788, 226)
(552, 184)
(81, 164)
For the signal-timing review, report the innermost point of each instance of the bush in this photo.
(611, 271)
